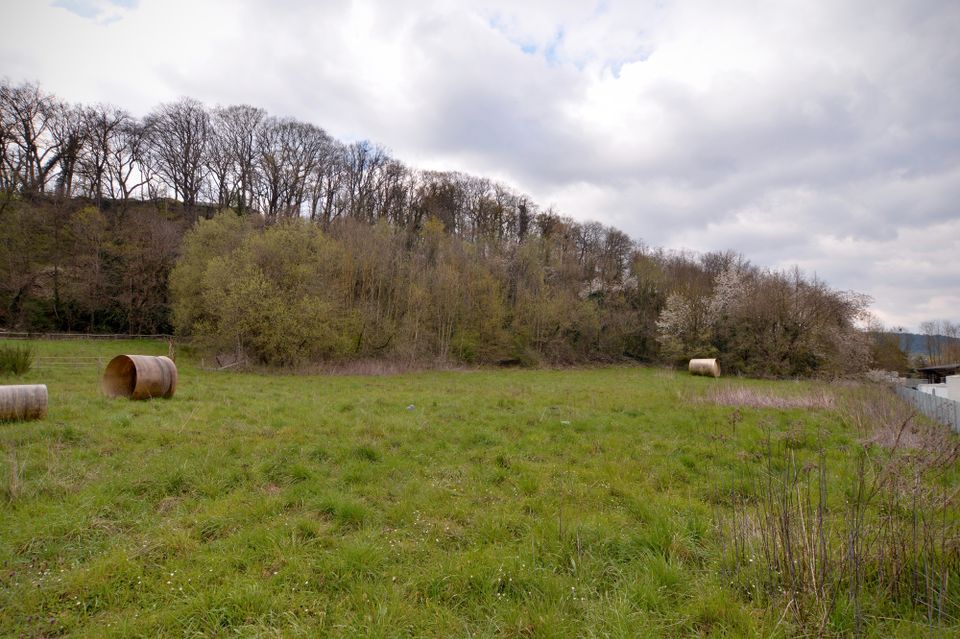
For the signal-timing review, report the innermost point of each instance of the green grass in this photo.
(512, 503)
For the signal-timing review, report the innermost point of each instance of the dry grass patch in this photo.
(745, 397)
(880, 417)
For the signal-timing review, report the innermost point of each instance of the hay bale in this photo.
(23, 402)
(708, 367)
(140, 377)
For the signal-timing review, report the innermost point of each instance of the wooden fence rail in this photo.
(27, 335)
(69, 362)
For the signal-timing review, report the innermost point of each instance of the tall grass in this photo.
(10, 488)
(15, 360)
(830, 549)
(735, 395)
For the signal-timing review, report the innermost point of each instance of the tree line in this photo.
(940, 340)
(236, 157)
(266, 238)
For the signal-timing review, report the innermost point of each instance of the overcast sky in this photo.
(822, 134)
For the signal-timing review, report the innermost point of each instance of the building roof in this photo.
(939, 368)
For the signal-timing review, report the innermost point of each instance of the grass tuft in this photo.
(15, 360)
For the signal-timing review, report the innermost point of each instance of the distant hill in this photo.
(914, 344)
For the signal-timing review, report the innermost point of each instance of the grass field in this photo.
(514, 503)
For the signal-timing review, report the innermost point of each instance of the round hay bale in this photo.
(23, 402)
(140, 377)
(708, 367)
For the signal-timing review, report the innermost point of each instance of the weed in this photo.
(15, 360)
(832, 548)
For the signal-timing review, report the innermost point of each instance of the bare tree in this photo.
(440, 195)
(221, 167)
(365, 160)
(326, 188)
(394, 190)
(101, 124)
(9, 149)
(177, 133)
(290, 152)
(69, 141)
(28, 114)
(942, 341)
(127, 162)
(234, 153)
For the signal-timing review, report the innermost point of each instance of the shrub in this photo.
(15, 360)
(273, 298)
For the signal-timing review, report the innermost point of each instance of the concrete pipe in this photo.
(708, 367)
(140, 377)
(24, 402)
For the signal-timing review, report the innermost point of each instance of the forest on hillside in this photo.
(266, 238)
(937, 343)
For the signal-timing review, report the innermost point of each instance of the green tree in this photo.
(276, 299)
(208, 239)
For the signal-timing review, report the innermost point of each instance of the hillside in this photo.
(265, 238)
(917, 345)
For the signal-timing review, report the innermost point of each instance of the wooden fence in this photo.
(45, 362)
(26, 335)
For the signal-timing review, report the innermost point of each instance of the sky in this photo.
(819, 134)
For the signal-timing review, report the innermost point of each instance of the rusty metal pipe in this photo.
(140, 377)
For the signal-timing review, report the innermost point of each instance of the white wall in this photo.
(938, 390)
(953, 388)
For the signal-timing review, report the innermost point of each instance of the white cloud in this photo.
(823, 134)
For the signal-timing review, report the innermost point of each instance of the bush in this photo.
(274, 298)
(15, 360)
